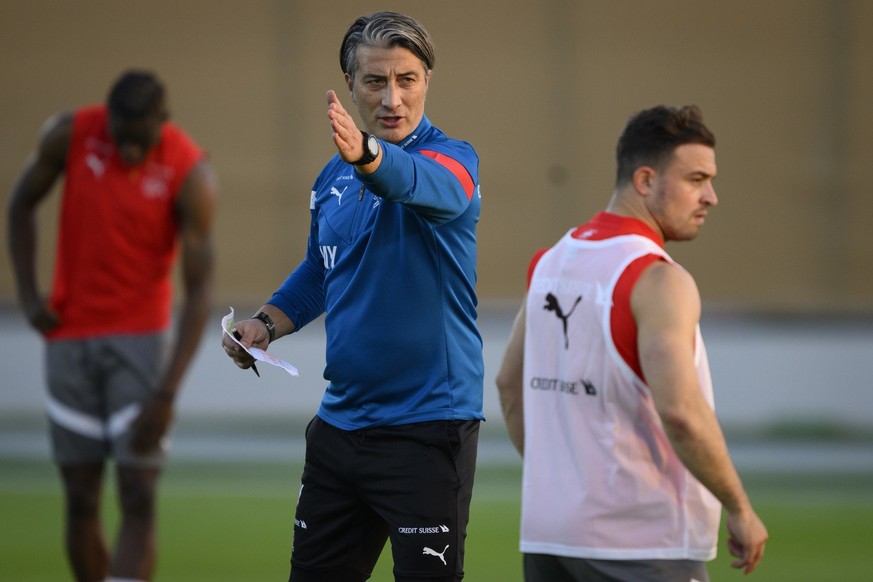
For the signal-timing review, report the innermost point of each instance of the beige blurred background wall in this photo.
(541, 89)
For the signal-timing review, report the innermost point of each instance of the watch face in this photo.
(373, 146)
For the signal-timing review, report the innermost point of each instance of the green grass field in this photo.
(232, 522)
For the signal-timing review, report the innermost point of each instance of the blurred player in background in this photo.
(135, 186)
(391, 262)
(605, 384)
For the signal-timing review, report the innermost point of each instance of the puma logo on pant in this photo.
(429, 552)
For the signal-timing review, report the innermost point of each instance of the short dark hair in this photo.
(135, 95)
(652, 135)
(386, 30)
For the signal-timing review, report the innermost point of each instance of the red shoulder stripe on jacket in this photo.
(456, 168)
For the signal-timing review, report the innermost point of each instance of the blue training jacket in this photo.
(391, 261)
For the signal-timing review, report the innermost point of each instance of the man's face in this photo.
(389, 88)
(682, 192)
(134, 138)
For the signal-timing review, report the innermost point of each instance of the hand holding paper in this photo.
(257, 353)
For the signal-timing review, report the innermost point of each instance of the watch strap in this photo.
(268, 321)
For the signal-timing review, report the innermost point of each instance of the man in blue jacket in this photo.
(391, 261)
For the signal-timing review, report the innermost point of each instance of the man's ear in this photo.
(643, 179)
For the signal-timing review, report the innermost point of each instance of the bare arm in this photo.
(195, 209)
(510, 381)
(42, 170)
(666, 306)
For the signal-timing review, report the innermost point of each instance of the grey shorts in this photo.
(546, 568)
(96, 387)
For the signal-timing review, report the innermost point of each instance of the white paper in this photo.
(256, 353)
